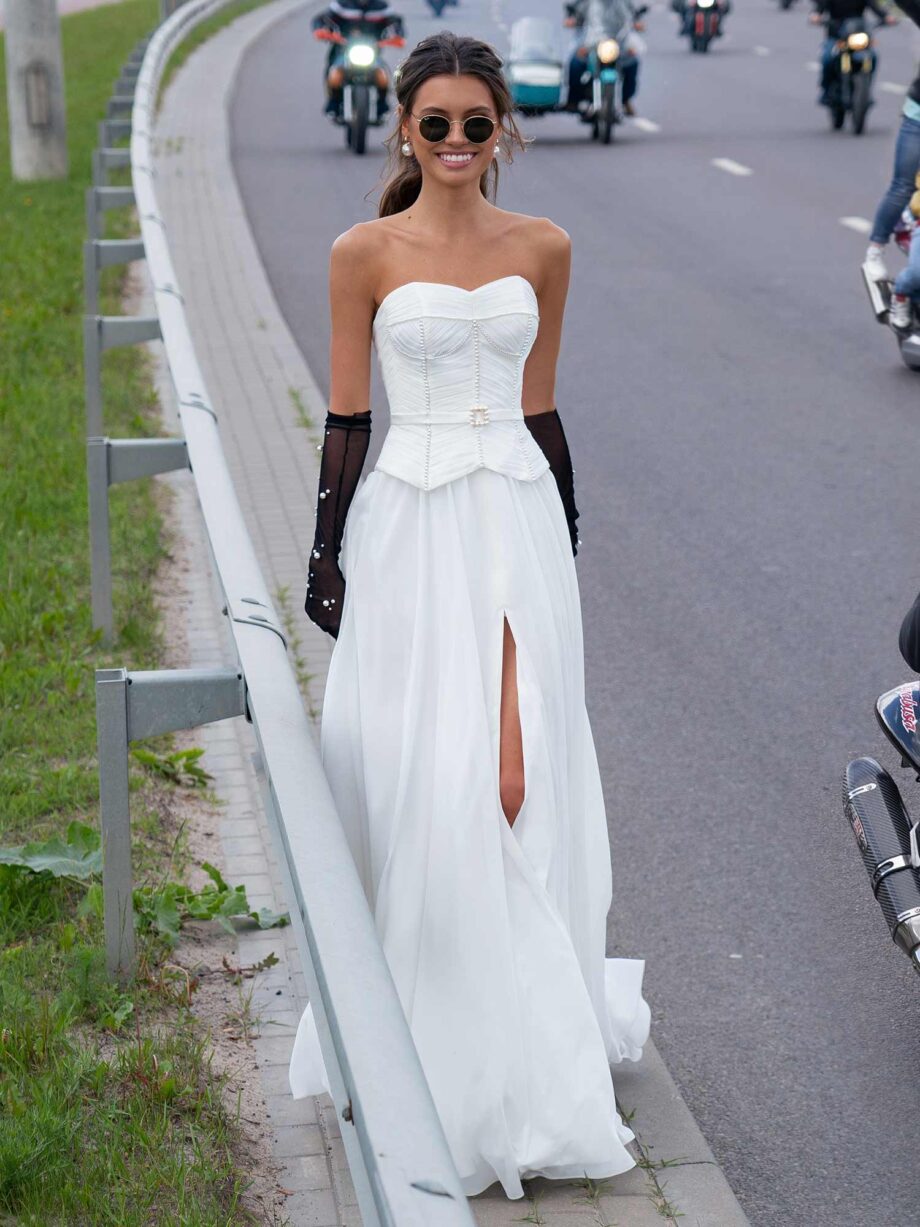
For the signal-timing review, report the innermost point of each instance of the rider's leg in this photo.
(827, 70)
(630, 73)
(900, 190)
(333, 92)
(577, 61)
(906, 286)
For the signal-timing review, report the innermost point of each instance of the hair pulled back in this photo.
(444, 54)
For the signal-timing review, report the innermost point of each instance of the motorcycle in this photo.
(358, 70)
(702, 23)
(908, 339)
(852, 72)
(884, 831)
(537, 77)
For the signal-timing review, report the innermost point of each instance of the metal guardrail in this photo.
(397, 1153)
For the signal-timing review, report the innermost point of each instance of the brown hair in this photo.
(444, 54)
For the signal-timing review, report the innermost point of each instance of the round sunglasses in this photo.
(435, 128)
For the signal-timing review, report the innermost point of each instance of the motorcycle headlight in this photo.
(361, 55)
(704, 4)
(858, 42)
(608, 50)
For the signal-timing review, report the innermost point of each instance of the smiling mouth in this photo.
(456, 159)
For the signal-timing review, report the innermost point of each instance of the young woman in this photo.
(454, 732)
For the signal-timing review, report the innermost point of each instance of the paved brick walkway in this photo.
(271, 415)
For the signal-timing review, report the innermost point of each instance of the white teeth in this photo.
(456, 157)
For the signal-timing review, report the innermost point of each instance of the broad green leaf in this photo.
(267, 919)
(215, 875)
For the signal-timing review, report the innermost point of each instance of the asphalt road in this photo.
(746, 447)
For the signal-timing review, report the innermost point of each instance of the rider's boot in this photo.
(899, 313)
(875, 262)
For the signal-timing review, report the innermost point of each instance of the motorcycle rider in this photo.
(834, 13)
(906, 165)
(594, 20)
(373, 18)
(684, 10)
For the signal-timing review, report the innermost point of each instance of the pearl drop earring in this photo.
(497, 149)
(406, 149)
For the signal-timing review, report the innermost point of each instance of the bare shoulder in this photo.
(353, 246)
(549, 247)
(360, 254)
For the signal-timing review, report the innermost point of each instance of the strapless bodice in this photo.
(453, 362)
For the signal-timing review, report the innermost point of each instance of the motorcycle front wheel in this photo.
(606, 118)
(862, 100)
(360, 113)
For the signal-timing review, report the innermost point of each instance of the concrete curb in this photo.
(271, 411)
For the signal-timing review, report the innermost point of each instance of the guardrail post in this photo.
(109, 462)
(101, 199)
(111, 130)
(105, 159)
(102, 332)
(119, 104)
(131, 707)
(115, 825)
(102, 253)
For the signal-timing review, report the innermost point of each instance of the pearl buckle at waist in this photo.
(479, 415)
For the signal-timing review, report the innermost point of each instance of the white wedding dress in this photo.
(495, 935)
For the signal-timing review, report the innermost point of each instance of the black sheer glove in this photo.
(346, 437)
(546, 428)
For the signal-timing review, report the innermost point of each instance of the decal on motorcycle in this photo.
(858, 829)
(908, 709)
(863, 788)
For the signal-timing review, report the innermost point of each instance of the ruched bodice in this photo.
(453, 367)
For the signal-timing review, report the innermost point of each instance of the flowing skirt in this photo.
(495, 935)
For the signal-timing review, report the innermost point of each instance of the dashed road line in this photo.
(762, 51)
(892, 87)
(646, 125)
(861, 225)
(812, 65)
(731, 167)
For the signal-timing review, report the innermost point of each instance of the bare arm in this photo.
(351, 305)
(539, 391)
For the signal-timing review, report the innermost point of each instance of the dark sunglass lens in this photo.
(434, 128)
(478, 129)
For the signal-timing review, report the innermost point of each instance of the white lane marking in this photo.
(761, 50)
(646, 125)
(812, 65)
(731, 167)
(892, 87)
(860, 224)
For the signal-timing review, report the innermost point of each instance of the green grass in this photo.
(109, 1112)
(47, 649)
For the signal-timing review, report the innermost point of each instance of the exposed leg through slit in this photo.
(512, 784)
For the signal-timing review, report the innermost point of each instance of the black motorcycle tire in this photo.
(360, 114)
(786, 4)
(607, 115)
(838, 115)
(700, 43)
(862, 100)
